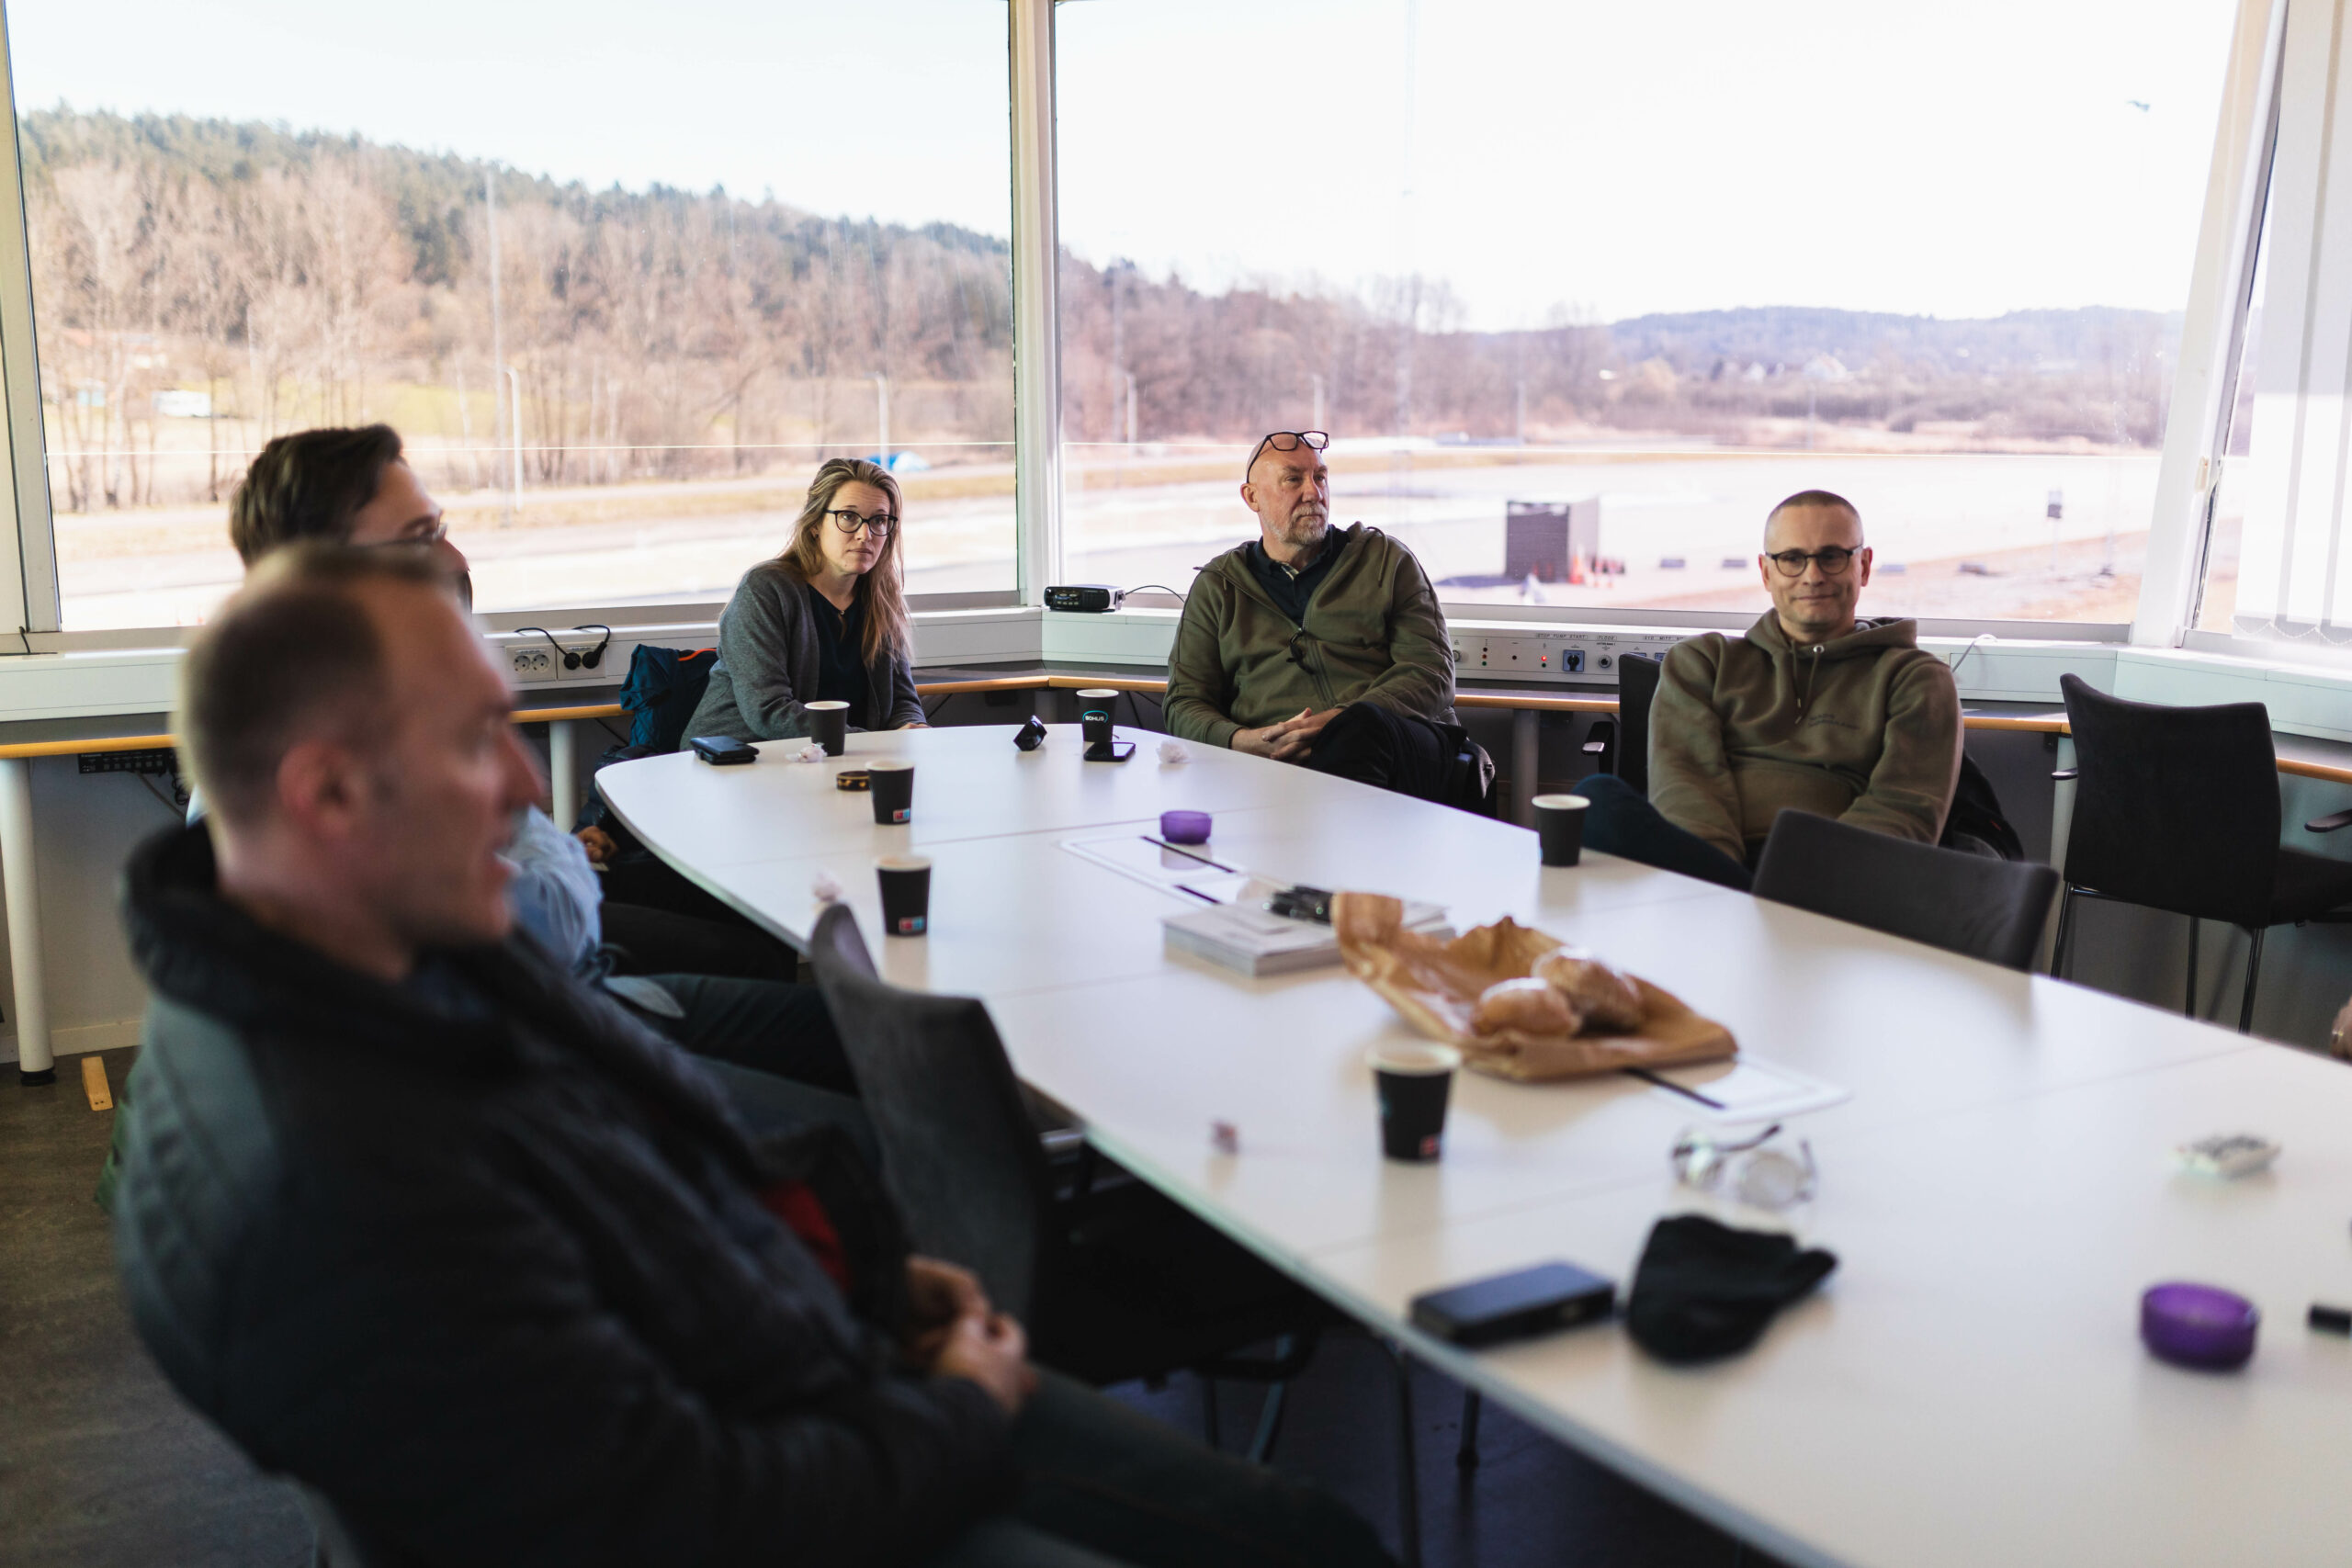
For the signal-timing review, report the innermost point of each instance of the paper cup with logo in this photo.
(892, 785)
(1414, 1081)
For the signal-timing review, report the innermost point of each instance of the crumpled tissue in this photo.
(1173, 753)
(827, 890)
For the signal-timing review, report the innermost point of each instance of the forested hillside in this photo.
(295, 277)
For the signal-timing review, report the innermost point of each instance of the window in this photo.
(2276, 567)
(1631, 275)
(620, 284)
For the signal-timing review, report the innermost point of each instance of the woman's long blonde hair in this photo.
(882, 589)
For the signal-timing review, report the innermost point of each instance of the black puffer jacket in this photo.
(497, 1278)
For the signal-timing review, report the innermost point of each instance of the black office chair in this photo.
(1982, 907)
(1637, 690)
(331, 1542)
(1130, 1288)
(1112, 1284)
(2176, 808)
(1470, 783)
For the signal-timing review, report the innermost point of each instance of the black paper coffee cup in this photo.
(1095, 706)
(893, 788)
(829, 726)
(1415, 1082)
(1559, 826)
(906, 893)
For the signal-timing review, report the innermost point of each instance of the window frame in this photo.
(2204, 380)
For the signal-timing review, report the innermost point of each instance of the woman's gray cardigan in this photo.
(768, 663)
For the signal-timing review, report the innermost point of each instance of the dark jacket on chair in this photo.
(768, 666)
(489, 1266)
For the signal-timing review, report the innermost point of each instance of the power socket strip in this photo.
(532, 661)
(1572, 656)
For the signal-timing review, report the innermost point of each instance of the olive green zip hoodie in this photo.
(1373, 633)
(1863, 727)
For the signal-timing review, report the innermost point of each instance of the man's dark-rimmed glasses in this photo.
(1286, 441)
(1834, 559)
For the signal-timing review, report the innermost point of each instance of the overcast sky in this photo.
(1537, 154)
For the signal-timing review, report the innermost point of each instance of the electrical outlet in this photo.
(538, 662)
(1582, 656)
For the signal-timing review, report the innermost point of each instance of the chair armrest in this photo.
(2063, 773)
(1599, 738)
(2329, 823)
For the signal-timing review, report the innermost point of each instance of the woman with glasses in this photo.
(825, 621)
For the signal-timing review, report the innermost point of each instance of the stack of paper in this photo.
(1246, 939)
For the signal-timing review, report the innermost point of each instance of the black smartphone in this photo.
(1515, 1307)
(723, 751)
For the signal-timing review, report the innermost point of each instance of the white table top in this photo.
(1968, 1387)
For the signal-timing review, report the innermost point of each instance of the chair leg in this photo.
(1270, 1424)
(1208, 1413)
(1408, 1469)
(1465, 1456)
(2189, 1008)
(2061, 951)
(2253, 967)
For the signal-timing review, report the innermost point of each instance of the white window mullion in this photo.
(28, 571)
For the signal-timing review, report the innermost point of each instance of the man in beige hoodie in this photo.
(1813, 710)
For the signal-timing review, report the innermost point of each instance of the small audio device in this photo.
(1033, 734)
(1303, 903)
(852, 779)
(1088, 598)
(1515, 1307)
(723, 750)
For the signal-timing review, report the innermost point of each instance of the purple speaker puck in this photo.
(1184, 827)
(2198, 1326)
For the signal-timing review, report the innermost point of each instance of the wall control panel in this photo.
(1570, 656)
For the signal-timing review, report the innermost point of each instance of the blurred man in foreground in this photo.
(425, 1222)
(1815, 709)
(1322, 648)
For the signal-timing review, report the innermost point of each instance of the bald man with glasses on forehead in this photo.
(1321, 646)
(1816, 709)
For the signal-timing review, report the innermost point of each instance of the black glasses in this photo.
(849, 522)
(1834, 559)
(1286, 441)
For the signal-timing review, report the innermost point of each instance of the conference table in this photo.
(1995, 1171)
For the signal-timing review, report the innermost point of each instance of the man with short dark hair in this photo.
(421, 1221)
(352, 487)
(1815, 709)
(1322, 648)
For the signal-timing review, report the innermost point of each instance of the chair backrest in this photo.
(1987, 908)
(2175, 807)
(959, 1155)
(1637, 690)
(332, 1546)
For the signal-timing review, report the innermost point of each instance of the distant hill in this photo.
(436, 196)
(1792, 335)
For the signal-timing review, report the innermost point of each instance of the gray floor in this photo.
(101, 1466)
